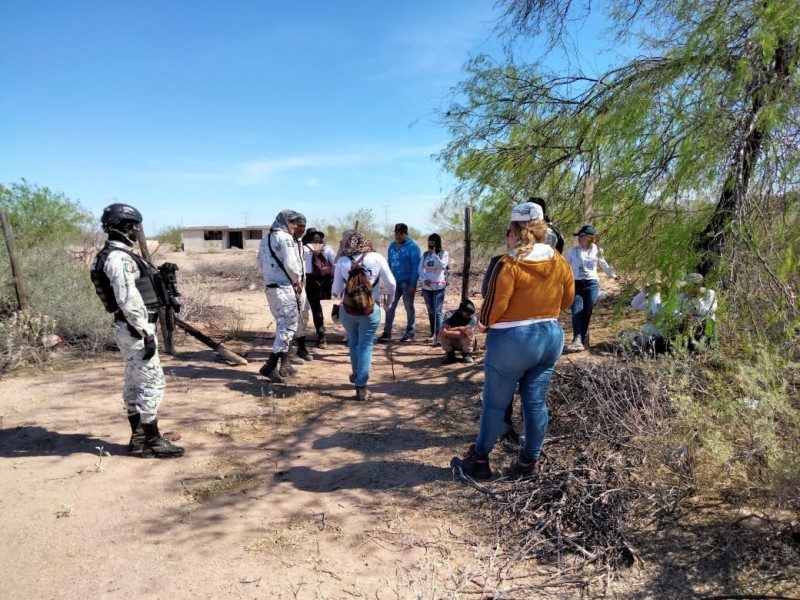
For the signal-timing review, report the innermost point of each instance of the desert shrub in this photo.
(171, 236)
(236, 274)
(21, 340)
(738, 422)
(59, 287)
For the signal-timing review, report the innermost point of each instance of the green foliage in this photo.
(38, 214)
(171, 236)
(737, 420)
(665, 154)
(54, 239)
(59, 287)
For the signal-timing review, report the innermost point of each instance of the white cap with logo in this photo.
(527, 211)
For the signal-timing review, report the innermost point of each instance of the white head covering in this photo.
(527, 211)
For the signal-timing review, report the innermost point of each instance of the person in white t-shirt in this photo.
(433, 269)
(584, 258)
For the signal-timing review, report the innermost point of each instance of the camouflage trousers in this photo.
(284, 307)
(144, 381)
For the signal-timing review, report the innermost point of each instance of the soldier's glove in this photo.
(149, 347)
(169, 266)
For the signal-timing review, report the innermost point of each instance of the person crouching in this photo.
(458, 333)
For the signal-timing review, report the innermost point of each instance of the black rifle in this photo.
(171, 304)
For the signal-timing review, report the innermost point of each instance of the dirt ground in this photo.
(285, 491)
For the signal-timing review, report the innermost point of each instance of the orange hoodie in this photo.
(528, 289)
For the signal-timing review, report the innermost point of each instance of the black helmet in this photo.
(117, 213)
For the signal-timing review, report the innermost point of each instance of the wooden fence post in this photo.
(467, 253)
(16, 273)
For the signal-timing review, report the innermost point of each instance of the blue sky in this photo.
(205, 112)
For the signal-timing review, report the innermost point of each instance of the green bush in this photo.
(59, 287)
(738, 422)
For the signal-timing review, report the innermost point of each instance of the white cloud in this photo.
(256, 171)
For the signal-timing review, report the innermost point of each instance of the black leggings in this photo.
(315, 290)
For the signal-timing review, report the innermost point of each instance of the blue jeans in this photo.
(525, 354)
(408, 302)
(360, 340)
(434, 302)
(586, 291)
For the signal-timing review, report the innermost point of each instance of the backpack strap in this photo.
(275, 256)
(358, 264)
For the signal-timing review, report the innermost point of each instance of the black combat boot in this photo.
(286, 369)
(321, 341)
(268, 370)
(136, 445)
(302, 351)
(157, 446)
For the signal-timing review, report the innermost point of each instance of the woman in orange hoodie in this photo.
(529, 287)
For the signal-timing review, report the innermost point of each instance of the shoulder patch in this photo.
(128, 266)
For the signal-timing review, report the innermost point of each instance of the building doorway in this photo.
(235, 240)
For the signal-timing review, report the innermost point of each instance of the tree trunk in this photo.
(763, 91)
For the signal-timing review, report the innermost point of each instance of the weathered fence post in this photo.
(467, 252)
(16, 273)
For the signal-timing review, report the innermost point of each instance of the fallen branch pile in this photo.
(606, 421)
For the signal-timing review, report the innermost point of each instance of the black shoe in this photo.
(302, 351)
(407, 337)
(449, 358)
(136, 444)
(352, 377)
(269, 369)
(322, 343)
(385, 337)
(156, 445)
(286, 369)
(474, 465)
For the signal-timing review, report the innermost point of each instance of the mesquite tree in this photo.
(687, 145)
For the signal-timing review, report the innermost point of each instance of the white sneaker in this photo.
(576, 345)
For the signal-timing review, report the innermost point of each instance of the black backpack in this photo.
(320, 267)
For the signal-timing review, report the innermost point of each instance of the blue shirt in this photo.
(404, 261)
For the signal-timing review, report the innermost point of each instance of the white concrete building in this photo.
(218, 238)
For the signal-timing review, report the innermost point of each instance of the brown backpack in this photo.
(358, 298)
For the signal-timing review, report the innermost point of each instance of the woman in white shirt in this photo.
(433, 275)
(361, 328)
(584, 258)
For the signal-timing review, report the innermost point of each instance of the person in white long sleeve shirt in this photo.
(433, 268)
(584, 258)
(697, 308)
(283, 285)
(361, 328)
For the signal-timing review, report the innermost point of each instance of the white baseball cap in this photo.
(527, 211)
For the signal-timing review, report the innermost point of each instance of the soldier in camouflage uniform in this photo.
(283, 284)
(128, 286)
